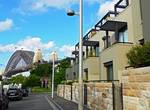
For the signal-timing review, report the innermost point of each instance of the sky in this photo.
(43, 24)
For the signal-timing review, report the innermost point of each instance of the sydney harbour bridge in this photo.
(23, 60)
(20, 61)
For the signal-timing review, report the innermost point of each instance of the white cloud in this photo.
(53, 3)
(67, 50)
(6, 24)
(33, 6)
(30, 6)
(105, 7)
(7, 48)
(34, 43)
(30, 43)
(94, 1)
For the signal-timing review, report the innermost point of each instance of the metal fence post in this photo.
(121, 91)
(71, 91)
(113, 95)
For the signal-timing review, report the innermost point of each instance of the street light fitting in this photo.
(80, 14)
(71, 13)
(54, 58)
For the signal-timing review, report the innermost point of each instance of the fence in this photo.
(98, 95)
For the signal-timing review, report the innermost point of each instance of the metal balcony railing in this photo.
(120, 5)
(104, 19)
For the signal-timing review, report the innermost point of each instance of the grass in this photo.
(40, 90)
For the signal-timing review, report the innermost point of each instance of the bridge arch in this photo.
(11, 67)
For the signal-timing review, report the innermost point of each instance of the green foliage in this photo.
(139, 56)
(19, 79)
(42, 70)
(61, 70)
(32, 80)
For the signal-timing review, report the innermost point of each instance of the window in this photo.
(74, 75)
(106, 40)
(97, 51)
(123, 35)
(109, 70)
(86, 74)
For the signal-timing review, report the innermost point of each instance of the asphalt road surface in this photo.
(32, 102)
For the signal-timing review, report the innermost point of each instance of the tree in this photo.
(29, 81)
(42, 70)
(19, 79)
(32, 80)
(45, 70)
(139, 56)
(61, 70)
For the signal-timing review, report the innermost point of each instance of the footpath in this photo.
(63, 104)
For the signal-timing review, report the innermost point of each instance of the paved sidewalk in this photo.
(64, 104)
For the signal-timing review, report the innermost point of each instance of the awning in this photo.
(90, 43)
(75, 52)
(113, 25)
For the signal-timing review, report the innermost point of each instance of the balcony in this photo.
(110, 15)
(72, 72)
(90, 34)
(111, 25)
(90, 47)
(75, 52)
(121, 4)
(116, 31)
(108, 24)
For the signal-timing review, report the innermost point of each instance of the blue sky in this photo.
(33, 24)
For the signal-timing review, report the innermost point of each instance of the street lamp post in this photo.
(53, 58)
(71, 13)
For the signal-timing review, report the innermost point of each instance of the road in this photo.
(32, 102)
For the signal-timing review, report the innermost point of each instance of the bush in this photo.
(139, 56)
(32, 81)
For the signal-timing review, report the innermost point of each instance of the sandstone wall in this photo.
(75, 94)
(99, 95)
(64, 91)
(136, 88)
